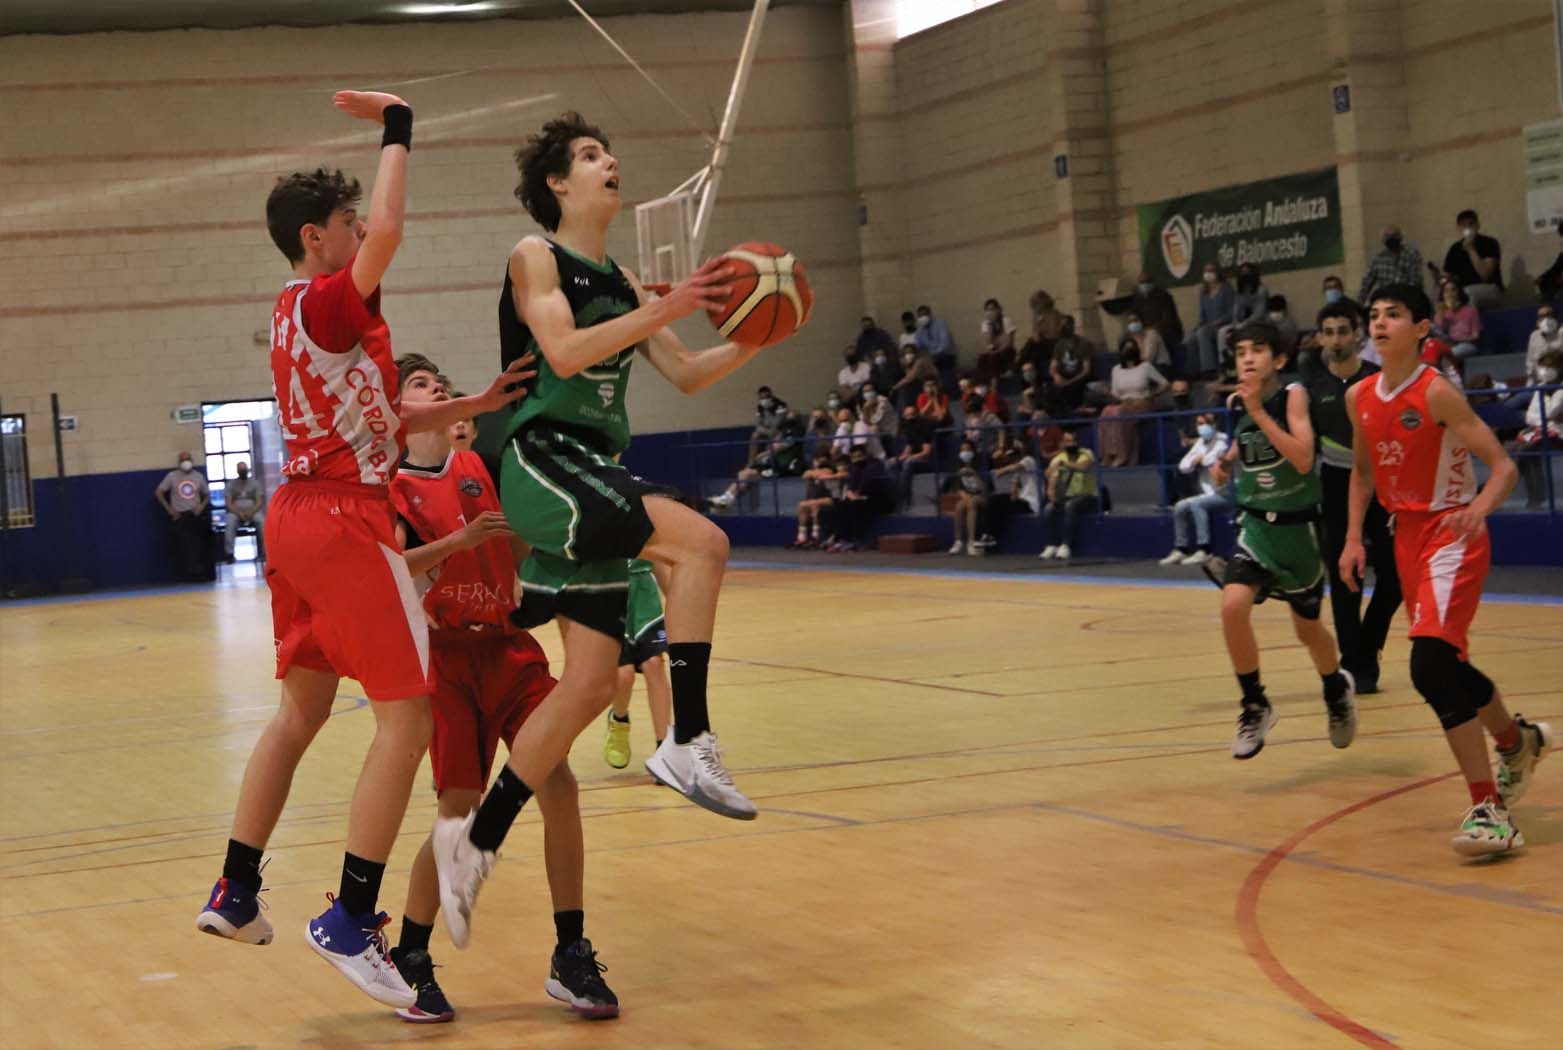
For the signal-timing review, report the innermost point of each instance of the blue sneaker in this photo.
(355, 945)
(234, 912)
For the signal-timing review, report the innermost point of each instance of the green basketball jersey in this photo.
(1267, 481)
(592, 400)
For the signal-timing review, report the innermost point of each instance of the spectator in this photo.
(1191, 515)
(1334, 289)
(1474, 262)
(1549, 286)
(933, 404)
(935, 340)
(184, 497)
(782, 457)
(1225, 383)
(1152, 348)
(876, 420)
(872, 338)
(1135, 385)
(854, 373)
(917, 370)
(971, 504)
(1156, 307)
(1458, 320)
(850, 433)
(1044, 435)
(1543, 429)
(1071, 496)
(821, 430)
(915, 457)
(1047, 325)
(1396, 263)
(866, 494)
(1249, 302)
(1070, 371)
(1279, 314)
(821, 484)
(1025, 488)
(908, 336)
(244, 503)
(885, 369)
(997, 332)
(769, 413)
(1217, 301)
(1546, 337)
(1033, 396)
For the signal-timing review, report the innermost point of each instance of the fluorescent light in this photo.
(473, 8)
(913, 16)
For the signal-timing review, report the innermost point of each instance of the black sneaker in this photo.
(575, 978)
(1340, 701)
(417, 969)
(1366, 674)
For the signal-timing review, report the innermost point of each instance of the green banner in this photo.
(1290, 223)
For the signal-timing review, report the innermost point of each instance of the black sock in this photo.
(415, 935)
(499, 810)
(623, 719)
(659, 741)
(360, 887)
(687, 664)
(1252, 690)
(1334, 684)
(242, 866)
(569, 926)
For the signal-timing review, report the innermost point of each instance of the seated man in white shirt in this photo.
(1193, 514)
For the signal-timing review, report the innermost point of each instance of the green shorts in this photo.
(583, 516)
(1281, 561)
(645, 634)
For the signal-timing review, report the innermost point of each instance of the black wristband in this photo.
(398, 127)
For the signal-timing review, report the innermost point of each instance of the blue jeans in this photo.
(1066, 531)
(1196, 510)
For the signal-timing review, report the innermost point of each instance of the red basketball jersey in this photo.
(1418, 464)
(334, 378)
(472, 588)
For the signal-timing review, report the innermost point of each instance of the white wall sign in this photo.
(1543, 145)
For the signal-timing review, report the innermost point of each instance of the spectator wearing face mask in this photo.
(1135, 385)
(822, 428)
(1458, 320)
(915, 456)
(1024, 474)
(782, 457)
(876, 419)
(885, 369)
(916, 371)
(871, 338)
(1048, 324)
(1071, 498)
(1191, 515)
(1474, 262)
(1156, 307)
(822, 483)
(1546, 337)
(1070, 371)
(1153, 348)
(971, 487)
(184, 497)
(997, 335)
(1543, 428)
(1217, 301)
(244, 503)
(934, 339)
(1033, 395)
(1395, 263)
(769, 413)
(933, 404)
(867, 493)
(853, 374)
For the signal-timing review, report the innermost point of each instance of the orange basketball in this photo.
(771, 297)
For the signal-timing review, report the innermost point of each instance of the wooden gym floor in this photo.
(996, 812)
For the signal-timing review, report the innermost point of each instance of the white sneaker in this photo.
(723, 499)
(1486, 831)
(976, 550)
(1515, 767)
(355, 946)
(695, 771)
(1175, 557)
(1048, 552)
(1062, 554)
(1256, 720)
(956, 548)
(1197, 558)
(462, 868)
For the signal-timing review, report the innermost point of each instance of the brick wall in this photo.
(134, 261)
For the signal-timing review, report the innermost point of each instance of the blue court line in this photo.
(1044, 576)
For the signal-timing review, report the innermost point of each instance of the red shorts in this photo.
(342, 601)
(1440, 576)
(485, 686)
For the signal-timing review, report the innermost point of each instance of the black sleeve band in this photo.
(398, 127)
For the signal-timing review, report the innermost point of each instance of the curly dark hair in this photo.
(548, 153)
(306, 197)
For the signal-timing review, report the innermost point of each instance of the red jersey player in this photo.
(341, 597)
(1416, 443)
(488, 676)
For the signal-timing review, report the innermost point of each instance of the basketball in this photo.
(771, 297)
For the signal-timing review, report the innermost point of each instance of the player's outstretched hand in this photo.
(509, 385)
(1353, 564)
(1465, 522)
(365, 105)
(489, 525)
(705, 289)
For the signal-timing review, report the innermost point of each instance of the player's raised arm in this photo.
(541, 304)
(687, 369)
(422, 417)
(1450, 408)
(388, 199)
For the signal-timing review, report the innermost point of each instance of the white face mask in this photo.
(870, 398)
(1145, 287)
(1210, 277)
(967, 457)
(1548, 326)
(1467, 232)
(1135, 328)
(922, 322)
(185, 464)
(1547, 375)
(1276, 315)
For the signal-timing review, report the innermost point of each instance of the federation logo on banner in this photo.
(1177, 246)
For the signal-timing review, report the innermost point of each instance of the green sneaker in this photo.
(1515, 767)
(616, 748)
(1487, 831)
